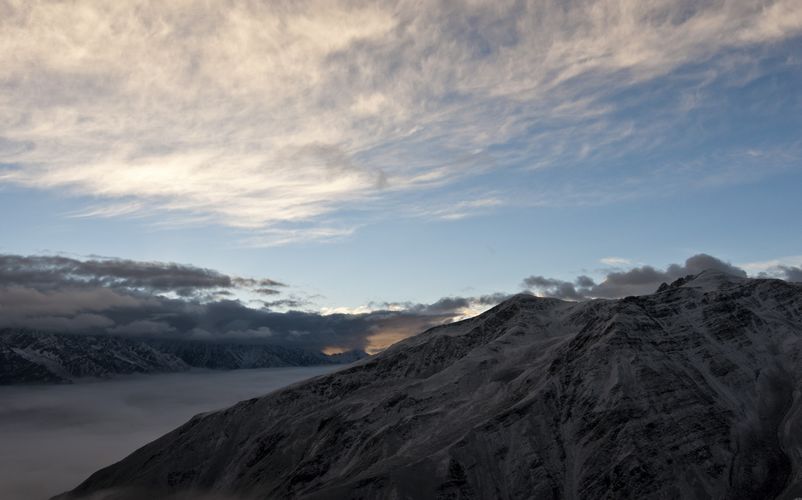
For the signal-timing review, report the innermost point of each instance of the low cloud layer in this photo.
(40, 428)
(56, 272)
(643, 279)
(123, 297)
(790, 273)
(120, 297)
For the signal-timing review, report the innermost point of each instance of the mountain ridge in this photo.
(28, 356)
(688, 392)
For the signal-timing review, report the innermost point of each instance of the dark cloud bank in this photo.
(643, 280)
(124, 297)
(636, 281)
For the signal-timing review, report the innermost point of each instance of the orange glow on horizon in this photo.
(329, 350)
(384, 339)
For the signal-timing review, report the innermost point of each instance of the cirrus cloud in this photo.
(275, 117)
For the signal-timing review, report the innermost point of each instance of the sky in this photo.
(377, 158)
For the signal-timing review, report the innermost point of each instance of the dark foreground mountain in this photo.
(693, 392)
(34, 357)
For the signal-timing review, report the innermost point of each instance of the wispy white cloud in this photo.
(772, 264)
(615, 261)
(272, 117)
(458, 210)
(282, 236)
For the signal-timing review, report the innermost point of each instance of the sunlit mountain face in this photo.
(205, 188)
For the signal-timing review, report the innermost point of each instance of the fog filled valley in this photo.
(54, 436)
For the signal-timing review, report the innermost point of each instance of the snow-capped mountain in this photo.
(31, 357)
(692, 392)
(35, 357)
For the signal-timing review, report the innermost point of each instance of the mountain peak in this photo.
(709, 279)
(536, 398)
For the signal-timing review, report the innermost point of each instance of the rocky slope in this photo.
(692, 392)
(232, 356)
(35, 357)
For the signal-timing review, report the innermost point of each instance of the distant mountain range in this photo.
(35, 357)
(692, 392)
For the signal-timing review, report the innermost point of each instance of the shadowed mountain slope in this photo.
(692, 392)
